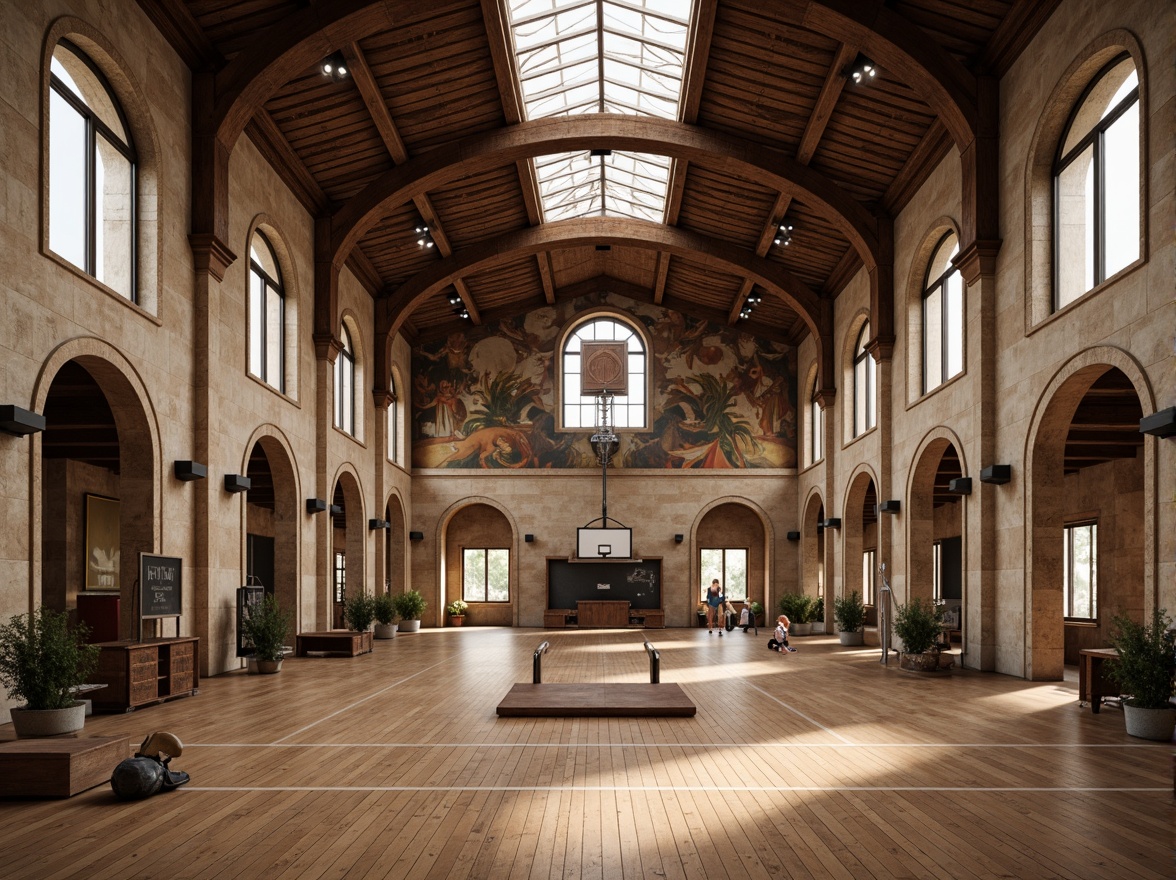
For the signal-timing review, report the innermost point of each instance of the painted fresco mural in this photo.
(720, 398)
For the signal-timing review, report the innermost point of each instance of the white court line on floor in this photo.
(662, 745)
(673, 788)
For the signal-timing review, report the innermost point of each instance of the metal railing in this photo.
(654, 663)
(536, 666)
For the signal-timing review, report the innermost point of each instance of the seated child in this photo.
(779, 641)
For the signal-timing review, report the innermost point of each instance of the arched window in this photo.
(943, 316)
(345, 385)
(1097, 183)
(815, 436)
(267, 315)
(393, 421)
(92, 173)
(865, 385)
(580, 411)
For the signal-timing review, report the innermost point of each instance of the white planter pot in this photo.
(851, 639)
(385, 630)
(409, 626)
(1154, 724)
(29, 723)
(801, 629)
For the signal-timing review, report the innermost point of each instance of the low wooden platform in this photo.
(59, 767)
(339, 641)
(596, 700)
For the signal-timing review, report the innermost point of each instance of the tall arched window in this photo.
(943, 316)
(92, 174)
(815, 436)
(865, 385)
(267, 315)
(393, 421)
(1097, 184)
(628, 411)
(345, 385)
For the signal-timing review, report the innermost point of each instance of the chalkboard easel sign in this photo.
(160, 586)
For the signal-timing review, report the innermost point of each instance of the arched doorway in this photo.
(98, 494)
(272, 517)
(731, 542)
(1086, 501)
(812, 549)
(860, 528)
(347, 545)
(395, 555)
(935, 531)
(479, 566)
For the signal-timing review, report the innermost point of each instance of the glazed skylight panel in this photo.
(601, 56)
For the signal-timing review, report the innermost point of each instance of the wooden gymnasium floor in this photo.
(818, 764)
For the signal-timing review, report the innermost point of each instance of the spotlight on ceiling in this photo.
(424, 237)
(862, 70)
(783, 235)
(334, 67)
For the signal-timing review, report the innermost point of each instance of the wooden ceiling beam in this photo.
(180, 28)
(546, 276)
(660, 272)
(1015, 31)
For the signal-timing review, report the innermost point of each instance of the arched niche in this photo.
(396, 579)
(273, 516)
(733, 524)
(479, 526)
(859, 529)
(348, 529)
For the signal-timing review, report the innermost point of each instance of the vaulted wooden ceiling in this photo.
(769, 127)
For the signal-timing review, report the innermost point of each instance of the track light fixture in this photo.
(424, 237)
(783, 234)
(862, 70)
(753, 299)
(334, 67)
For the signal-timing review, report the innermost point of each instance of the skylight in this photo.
(601, 56)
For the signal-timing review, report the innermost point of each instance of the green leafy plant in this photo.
(818, 610)
(410, 605)
(385, 609)
(756, 609)
(502, 401)
(359, 610)
(1147, 660)
(457, 607)
(917, 624)
(267, 626)
(722, 426)
(42, 658)
(798, 607)
(849, 612)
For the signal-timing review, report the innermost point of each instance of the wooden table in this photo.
(603, 613)
(1092, 681)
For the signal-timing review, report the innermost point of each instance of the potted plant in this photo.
(850, 614)
(410, 605)
(267, 626)
(757, 611)
(457, 611)
(917, 624)
(385, 611)
(359, 610)
(1144, 670)
(817, 614)
(799, 609)
(43, 661)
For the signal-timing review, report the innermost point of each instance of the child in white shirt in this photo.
(779, 642)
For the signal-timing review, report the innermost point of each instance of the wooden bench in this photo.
(59, 767)
(596, 700)
(338, 641)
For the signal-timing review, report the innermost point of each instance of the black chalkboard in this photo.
(160, 585)
(569, 582)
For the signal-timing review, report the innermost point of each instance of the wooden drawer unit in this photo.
(139, 673)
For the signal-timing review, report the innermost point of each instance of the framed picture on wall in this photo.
(102, 543)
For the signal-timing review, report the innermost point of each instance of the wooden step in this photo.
(596, 700)
(59, 767)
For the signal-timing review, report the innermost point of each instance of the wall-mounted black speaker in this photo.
(833, 522)
(316, 505)
(891, 506)
(416, 536)
(996, 473)
(18, 421)
(335, 509)
(678, 539)
(794, 536)
(190, 470)
(1161, 424)
(237, 483)
(960, 486)
(530, 539)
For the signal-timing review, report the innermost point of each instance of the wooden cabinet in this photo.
(608, 613)
(139, 673)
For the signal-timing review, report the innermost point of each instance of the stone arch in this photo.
(759, 582)
(1055, 114)
(924, 524)
(859, 529)
(587, 317)
(396, 573)
(812, 547)
(351, 539)
(1045, 502)
(139, 478)
(282, 521)
(503, 527)
(853, 329)
(914, 301)
(137, 112)
(285, 256)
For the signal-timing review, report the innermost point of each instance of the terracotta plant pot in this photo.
(456, 619)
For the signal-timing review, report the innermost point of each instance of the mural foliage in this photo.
(720, 398)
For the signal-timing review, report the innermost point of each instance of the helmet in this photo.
(137, 778)
(161, 746)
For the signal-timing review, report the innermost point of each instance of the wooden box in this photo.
(59, 767)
